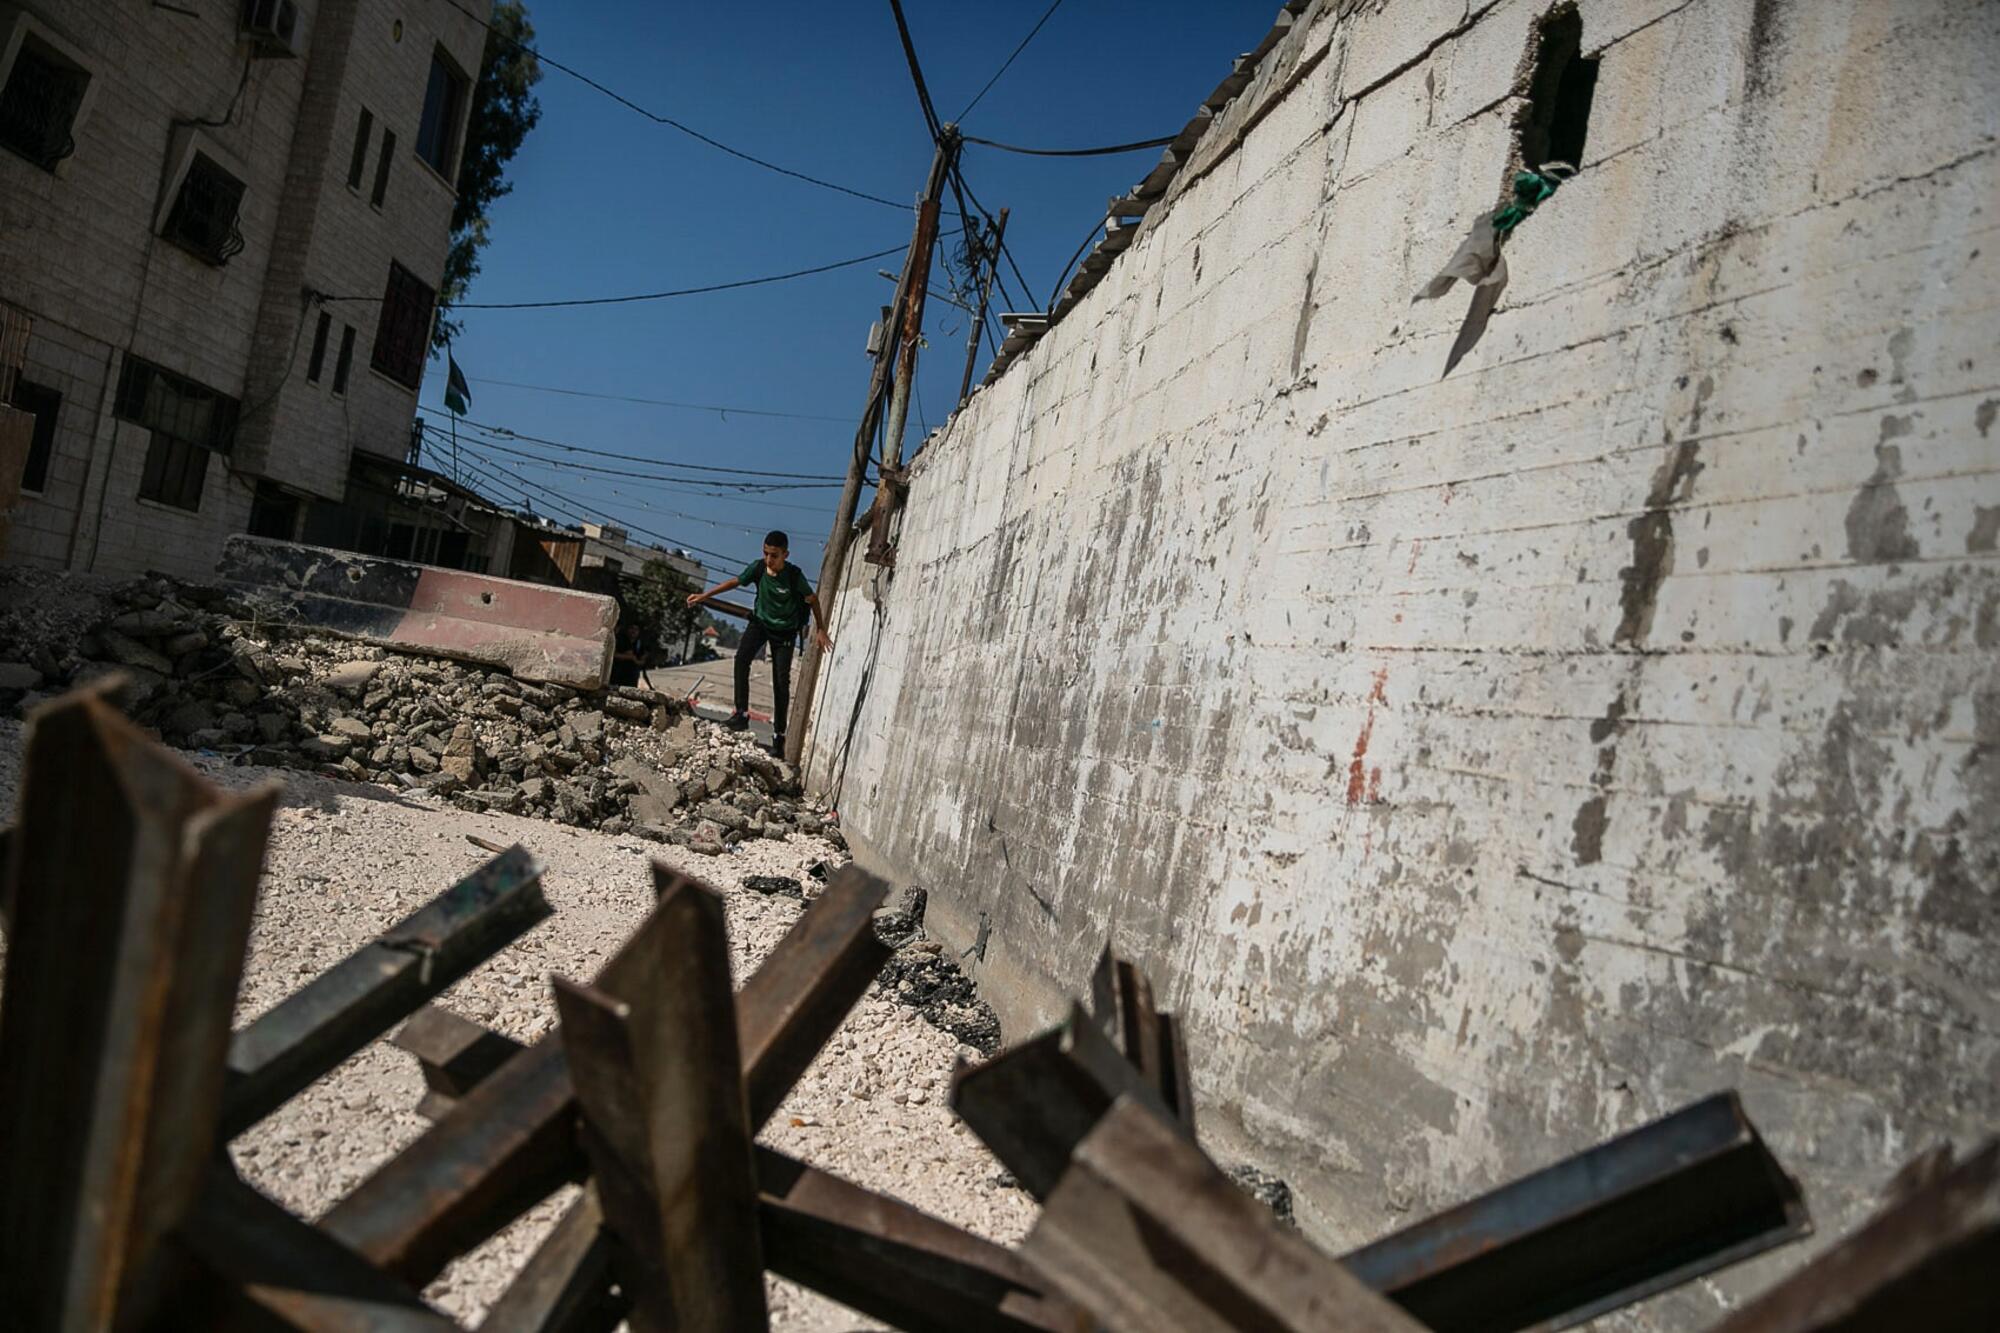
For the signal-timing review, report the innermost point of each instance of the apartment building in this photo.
(224, 225)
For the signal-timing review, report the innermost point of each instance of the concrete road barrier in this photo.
(538, 633)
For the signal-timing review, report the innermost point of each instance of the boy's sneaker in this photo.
(738, 722)
(778, 746)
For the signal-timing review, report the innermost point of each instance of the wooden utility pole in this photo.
(910, 286)
(999, 234)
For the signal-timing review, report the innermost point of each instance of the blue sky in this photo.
(606, 203)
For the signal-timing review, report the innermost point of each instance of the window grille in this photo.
(405, 328)
(189, 421)
(203, 219)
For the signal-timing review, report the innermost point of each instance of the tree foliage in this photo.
(504, 109)
(659, 603)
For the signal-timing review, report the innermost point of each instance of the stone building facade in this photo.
(1488, 758)
(226, 225)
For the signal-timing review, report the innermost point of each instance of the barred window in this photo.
(189, 421)
(39, 103)
(405, 328)
(437, 132)
(203, 220)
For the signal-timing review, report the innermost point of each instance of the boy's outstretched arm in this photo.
(697, 598)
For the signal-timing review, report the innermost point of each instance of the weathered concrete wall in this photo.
(1490, 763)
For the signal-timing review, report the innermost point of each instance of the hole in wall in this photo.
(1556, 122)
(486, 598)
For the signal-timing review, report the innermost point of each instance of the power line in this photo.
(1027, 292)
(1104, 151)
(562, 503)
(669, 121)
(747, 487)
(654, 296)
(505, 433)
(917, 73)
(1046, 16)
(759, 498)
(657, 402)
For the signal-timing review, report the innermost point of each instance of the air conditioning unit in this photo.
(273, 27)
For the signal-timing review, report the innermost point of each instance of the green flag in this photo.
(457, 397)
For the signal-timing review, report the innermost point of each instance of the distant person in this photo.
(630, 658)
(785, 602)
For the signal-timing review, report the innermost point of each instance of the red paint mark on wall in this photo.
(1357, 772)
(1360, 784)
(1416, 549)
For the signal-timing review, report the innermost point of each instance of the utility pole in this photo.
(985, 290)
(889, 485)
(912, 281)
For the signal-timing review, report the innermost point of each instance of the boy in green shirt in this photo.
(784, 600)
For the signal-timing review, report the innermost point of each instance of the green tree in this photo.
(659, 601)
(504, 109)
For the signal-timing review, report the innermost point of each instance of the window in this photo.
(437, 132)
(346, 361)
(189, 421)
(43, 404)
(317, 361)
(203, 220)
(273, 513)
(360, 158)
(38, 106)
(382, 167)
(405, 328)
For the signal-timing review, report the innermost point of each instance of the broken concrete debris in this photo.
(206, 672)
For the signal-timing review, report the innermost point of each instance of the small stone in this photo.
(351, 727)
(352, 678)
(130, 652)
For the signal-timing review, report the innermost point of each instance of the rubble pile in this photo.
(207, 674)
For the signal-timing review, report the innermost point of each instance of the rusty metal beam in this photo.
(801, 994)
(1033, 1104)
(886, 1259)
(660, 1084)
(1146, 1233)
(1122, 1002)
(454, 1053)
(1926, 1261)
(358, 999)
(135, 885)
(511, 1140)
(565, 1287)
(507, 1144)
(262, 1268)
(1649, 1210)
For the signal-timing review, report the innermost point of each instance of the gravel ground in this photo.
(347, 860)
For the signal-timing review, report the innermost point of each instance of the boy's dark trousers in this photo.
(756, 636)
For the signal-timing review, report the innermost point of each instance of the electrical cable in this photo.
(505, 433)
(748, 488)
(1063, 277)
(1027, 290)
(658, 402)
(759, 498)
(1046, 16)
(1104, 151)
(564, 504)
(656, 296)
(593, 469)
(917, 73)
(669, 121)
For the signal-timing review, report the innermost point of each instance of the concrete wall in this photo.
(1489, 763)
(81, 256)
